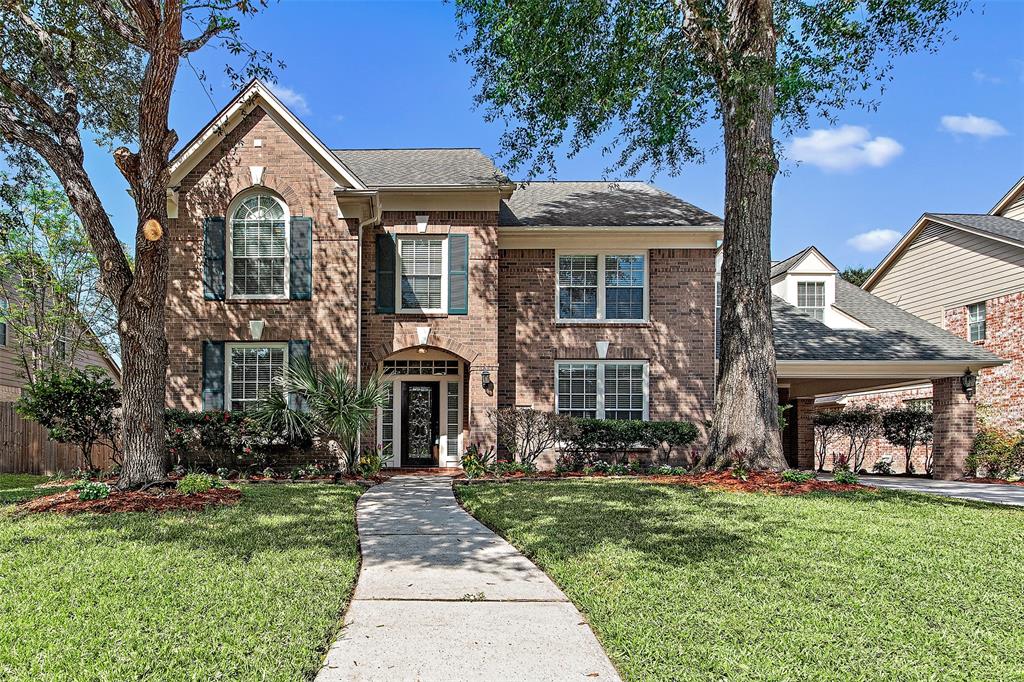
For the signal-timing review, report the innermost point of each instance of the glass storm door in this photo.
(420, 423)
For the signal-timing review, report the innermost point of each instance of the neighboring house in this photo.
(12, 368)
(965, 273)
(832, 337)
(595, 299)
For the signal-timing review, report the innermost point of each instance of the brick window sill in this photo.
(599, 324)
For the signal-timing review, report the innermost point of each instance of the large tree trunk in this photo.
(745, 424)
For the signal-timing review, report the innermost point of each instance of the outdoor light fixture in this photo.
(969, 381)
(485, 381)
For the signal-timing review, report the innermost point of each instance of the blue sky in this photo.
(948, 137)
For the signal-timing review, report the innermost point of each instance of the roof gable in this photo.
(1009, 198)
(258, 94)
(808, 261)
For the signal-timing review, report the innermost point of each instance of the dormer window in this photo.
(810, 298)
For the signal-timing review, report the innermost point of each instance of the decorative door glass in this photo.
(419, 423)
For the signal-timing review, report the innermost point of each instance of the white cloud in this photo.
(844, 148)
(983, 77)
(970, 124)
(874, 240)
(295, 101)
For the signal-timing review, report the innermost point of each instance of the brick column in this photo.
(953, 428)
(479, 427)
(804, 408)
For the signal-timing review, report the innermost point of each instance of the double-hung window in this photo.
(252, 369)
(810, 297)
(258, 245)
(606, 389)
(976, 321)
(422, 262)
(602, 286)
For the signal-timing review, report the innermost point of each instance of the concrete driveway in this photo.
(441, 597)
(979, 492)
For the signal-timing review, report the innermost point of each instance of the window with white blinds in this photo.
(605, 389)
(387, 420)
(252, 370)
(421, 263)
(602, 286)
(453, 420)
(259, 248)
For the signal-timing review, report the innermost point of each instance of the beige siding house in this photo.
(963, 272)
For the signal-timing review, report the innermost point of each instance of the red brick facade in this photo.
(510, 329)
(328, 320)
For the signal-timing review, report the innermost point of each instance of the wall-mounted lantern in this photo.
(969, 382)
(485, 381)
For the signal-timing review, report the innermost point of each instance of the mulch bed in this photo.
(757, 482)
(131, 501)
(1001, 481)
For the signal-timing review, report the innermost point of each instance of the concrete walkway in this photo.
(980, 492)
(441, 597)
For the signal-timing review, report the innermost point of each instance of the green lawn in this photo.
(21, 487)
(251, 592)
(686, 584)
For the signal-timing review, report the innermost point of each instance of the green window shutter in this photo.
(297, 350)
(458, 274)
(385, 273)
(300, 277)
(213, 375)
(213, 259)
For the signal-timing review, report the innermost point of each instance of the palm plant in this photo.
(327, 404)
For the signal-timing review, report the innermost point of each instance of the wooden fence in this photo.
(25, 448)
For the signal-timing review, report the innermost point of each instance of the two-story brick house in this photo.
(467, 291)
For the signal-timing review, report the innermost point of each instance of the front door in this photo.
(421, 423)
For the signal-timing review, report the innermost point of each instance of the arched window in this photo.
(258, 246)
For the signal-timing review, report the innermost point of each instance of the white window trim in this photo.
(601, 288)
(600, 381)
(824, 298)
(399, 308)
(228, 347)
(229, 265)
(983, 322)
(445, 457)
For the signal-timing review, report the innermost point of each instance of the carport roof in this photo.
(894, 335)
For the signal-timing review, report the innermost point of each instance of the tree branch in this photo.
(213, 27)
(133, 35)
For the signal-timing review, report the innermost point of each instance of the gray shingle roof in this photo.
(599, 203)
(1006, 228)
(894, 335)
(418, 167)
(781, 267)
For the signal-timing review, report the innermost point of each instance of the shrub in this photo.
(196, 483)
(882, 466)
(370, 462)
(827, 427)
(996, 454)
(503, 468)
(907, 428)
(219, 439)
(74, 406)
(860, 425)
(844, 476)
(796, 476)
(476, 460)
(619, 436)
(92, 490)
(526, 433)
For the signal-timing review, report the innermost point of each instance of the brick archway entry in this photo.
(435, 341)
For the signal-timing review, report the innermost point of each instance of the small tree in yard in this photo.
(828, 427)
(105, 69)
(860, 425)
(526, 433)
(74, 406)
(907, 428)
(643, 77)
